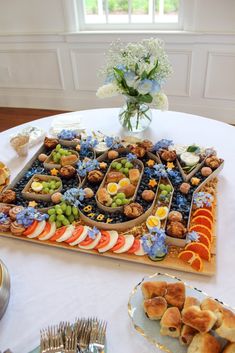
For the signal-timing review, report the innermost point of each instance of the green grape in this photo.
(76, 217)
(56, 160)
(123, 161)
(63, 206)
(65, 222)
(57, 184)
(46, 190)
(68, 211)
(125, 201)
(114, 164)
(122, 170)
(126, 171)
(51, 191)
(58, 147)
(58, 224)
(74, 211)
(52, 185)
(51, 211)
(162, 187)
(71, 218)
(168, 188)
(128, 165)
(121, 195)
(60, 217)
(119, 202)
(44, 184)
(52, 218)
(69, 153)
(164, 192)
(58, 155)
(61, 151)
(57, 207)
(59, 211)
(114, 204)
(118, 166)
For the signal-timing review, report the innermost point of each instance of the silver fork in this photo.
(70, 344)
(84, 331)
(98, 334)
(51, 340)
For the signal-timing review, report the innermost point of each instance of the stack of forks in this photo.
(84, 336)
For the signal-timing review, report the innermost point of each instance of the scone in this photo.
(204, 343)
(171, 322)
(201, 320)
(187, 334)
(154, 289)
(230, 348)
(227, 328)
(216, 307)
(175, 294)
(134, 176)
(155, 307)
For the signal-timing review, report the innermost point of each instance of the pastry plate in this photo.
(151, 329)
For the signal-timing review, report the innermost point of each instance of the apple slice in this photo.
(81, 237)
(129, 240)
(91, 245)
(47, 235)
(38, 230)
(140, 251)
(67, 234)
(112, 241)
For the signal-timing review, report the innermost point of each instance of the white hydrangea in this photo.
(108, 90)
(160, 101)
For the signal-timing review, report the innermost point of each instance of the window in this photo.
(129, 14)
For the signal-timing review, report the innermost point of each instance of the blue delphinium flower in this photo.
(3, 217)
(160, 171)
(109, 141)
(145, 86)
(149, 172)
(93, 232)
(192, 236)
(175, 176)
(130, 78)
(30, 214)
(131, 157)
(74, 196)
(202, 199)
(162, 144)
(67, 135)
(33, 171)
(87, 145)
(155, 87)
(84, 167)
(154, 243)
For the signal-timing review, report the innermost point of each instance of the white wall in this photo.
(42, 66)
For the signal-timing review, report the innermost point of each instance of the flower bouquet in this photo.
(138, 71)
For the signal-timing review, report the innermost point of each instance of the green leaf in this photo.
(153, 70)
(192, 148)
(118, 72)
(144, 75)
(146, 98)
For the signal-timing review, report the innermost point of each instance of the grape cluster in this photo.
(63, 214)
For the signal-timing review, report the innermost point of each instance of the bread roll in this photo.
(154, 289)
(201, 320)
(187, 334)
(216, 307)
(175, 294)
(191, 301)
(204, 343)
(155, 307)
(227, 328)
(171, 322)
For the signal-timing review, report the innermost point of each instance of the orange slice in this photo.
(192, 259)
(200, 249)
(204, 240)
(204, 212)
(201, 229)
(202, 220)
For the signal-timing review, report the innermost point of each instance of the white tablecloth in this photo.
(48, 284)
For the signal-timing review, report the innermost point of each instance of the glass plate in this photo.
(151, 329)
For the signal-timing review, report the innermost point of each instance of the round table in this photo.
(50, 284)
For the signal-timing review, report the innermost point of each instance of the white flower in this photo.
(160, 100)
(108, 90)
(145, 86)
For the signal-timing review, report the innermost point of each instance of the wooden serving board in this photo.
(171, 261)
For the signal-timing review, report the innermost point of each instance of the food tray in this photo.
(34, 196)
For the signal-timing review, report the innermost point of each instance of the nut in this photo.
(206, 171)
(50, 143)
(175, 216)
(113, 154)
(42, 157)
(176, 229)
(67, 171)
(89, 193)
(95, 176)
(128, 190)
(168, 156)
(56, 197)
(184, 188)
(213, 162)
(8, 196)
(148, 195)
(138, 151)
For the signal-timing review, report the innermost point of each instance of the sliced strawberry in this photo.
(105, 239)
(120, 242)
(135, 247)
(31, 228)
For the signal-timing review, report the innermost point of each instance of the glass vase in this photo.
(135, 116)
